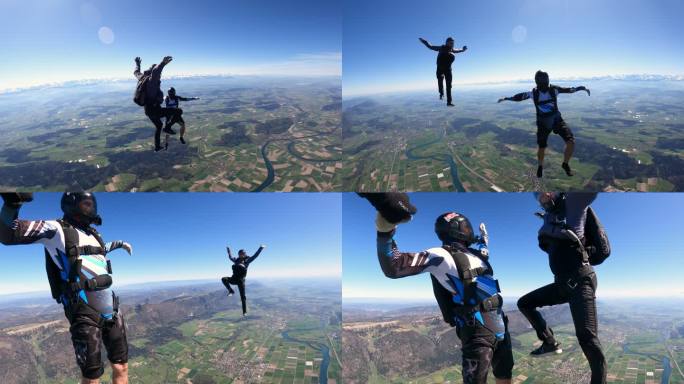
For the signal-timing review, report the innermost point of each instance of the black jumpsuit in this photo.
(445, 58)
(240, 265)
(574, 283)
(153, 100)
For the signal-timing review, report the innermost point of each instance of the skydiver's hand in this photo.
(138, 60)
(395, 207)
(422, 40)
(16, 199)
(127, 247)
(465, 48)
(382, 225)
(588, 91)
(167, 59)
(502, 99)
(262, 246)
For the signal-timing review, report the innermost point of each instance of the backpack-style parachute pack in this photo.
(140, 90)
(597, 246)
(69, 280)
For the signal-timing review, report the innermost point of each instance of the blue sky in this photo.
(645, 231)
(507, 40)
(46, 41)
(181, 236)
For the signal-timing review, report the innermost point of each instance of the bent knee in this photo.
(523, 303)
(120, 368)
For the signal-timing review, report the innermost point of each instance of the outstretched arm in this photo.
(396, 264)
(14, 231)
(118, 244)
(137, 72)
(573, 89)
(425, 42)
(517, 97)
(157, 71)
(465, 48)
(230, 255)
(252, 258)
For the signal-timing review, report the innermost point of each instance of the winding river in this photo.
(667, 368)
(269, 167)
(448, 158)
(323, 373)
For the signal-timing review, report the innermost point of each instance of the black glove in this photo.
(16, 199)
(392, 206)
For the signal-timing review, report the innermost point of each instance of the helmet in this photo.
(550, 201)
(172, 91)
(450, 39)
(242, 253)
(71, 207)
(451, 227)
(541, 78)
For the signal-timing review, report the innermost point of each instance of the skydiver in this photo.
(549, 118)
(149, 90)
(463, 284)
(240, 265)
(561, 237)
(80, 278)
(172, 101)
(445, 58)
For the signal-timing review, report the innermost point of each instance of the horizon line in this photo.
(426, 87)
(95, 80)
(190, 281)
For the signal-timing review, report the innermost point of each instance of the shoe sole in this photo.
(556, 352)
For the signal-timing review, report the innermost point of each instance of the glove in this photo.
(16, 199)
(484, 236)
(394, 207)
(382, 225)
(127, 247)
(262, 246)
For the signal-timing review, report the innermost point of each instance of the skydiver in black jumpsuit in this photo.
(240, 265)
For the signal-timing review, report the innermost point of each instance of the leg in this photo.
(477, 350)
(116, 344)
(86, 337)
(448, 78)
(564, 131)
(542, 141)
(120, 373)
(172, 115)
(585, 318)
(440, 85)
(541, 297)
(227, 281)
(502, 361)
(243, 298)
(181, 122)
(154, 115)
(540, 156)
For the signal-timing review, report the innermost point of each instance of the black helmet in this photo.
(553, 202)
(451, 227)
(172, 91)
(242, 253)
(541, 78)
(450, 39)
(71, 207)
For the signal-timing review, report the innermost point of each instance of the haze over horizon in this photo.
(507, 40)
(182, 236)
(53, 42)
